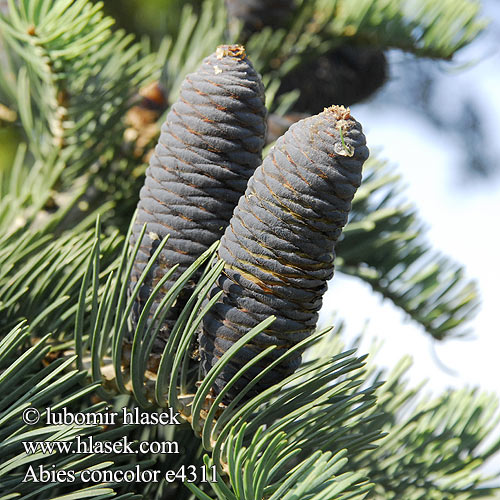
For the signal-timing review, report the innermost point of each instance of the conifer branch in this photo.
(72, 67)
(384, 245)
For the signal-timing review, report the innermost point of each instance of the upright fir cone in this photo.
(344, 75)
(279, 245)
(210, 145)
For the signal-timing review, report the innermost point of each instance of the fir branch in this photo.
(383, 245)
(315, 407)
(196, 38)
(426, 28)
(26, 187)
(25, 382)
(313, 435)
(256, 471)
(40, 275)
(433, 446)
(76, 78)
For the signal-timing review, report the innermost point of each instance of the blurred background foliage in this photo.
(417, 82)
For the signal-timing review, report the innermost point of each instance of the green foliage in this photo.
(434, 447)
(25, 382)
(384, 245)
(330, 412)
(194, 40)
(316, 477)
(40, 273)
(330, 430)
(40, 277)
(70, 63)
(426, 29)
(70, 79)
(318, 406)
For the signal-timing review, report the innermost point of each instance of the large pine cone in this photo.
(210, 145)
(279, 246)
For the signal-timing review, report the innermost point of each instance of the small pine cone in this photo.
(345, 75)
(142, 118)
(209, 147)
(256, 14)
(279, 246)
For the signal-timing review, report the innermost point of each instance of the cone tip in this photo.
(230, 51)
(340, 112)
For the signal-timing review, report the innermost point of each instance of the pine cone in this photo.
(142, 118)
(345, 75)
(279, 246)
(256, 14)
(209, 147)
